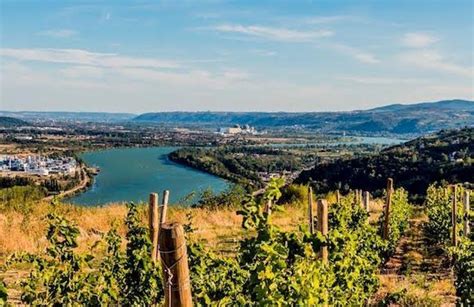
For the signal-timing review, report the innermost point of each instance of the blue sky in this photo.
(141, 56)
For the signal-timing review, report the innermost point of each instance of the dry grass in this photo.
(215, 228)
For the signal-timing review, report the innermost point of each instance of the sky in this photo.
(152, 56)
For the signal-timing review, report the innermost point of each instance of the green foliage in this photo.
(439, 206)
(3, 293)
(62, 276)
(400, 211)
(463, 256)
(20, 198)
(142, 277)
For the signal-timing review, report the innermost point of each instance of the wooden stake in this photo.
(467, 229)
(366, 198)
(338, 197)
(164, 208)
(388, 204)
(174, 261)
(356, 193)
(310, 210)
(454, 210)
(153, 224)
(268, 207)
(323, 227)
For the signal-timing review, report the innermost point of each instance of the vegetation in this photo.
(439, 230)
(271, 266)
(445, 156)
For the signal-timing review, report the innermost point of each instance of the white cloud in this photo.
(273, 33)
(64, 33)
(382, 80)
(359, 55)
(418, 40)
(433, 60)
(84, 57)
(83, 72)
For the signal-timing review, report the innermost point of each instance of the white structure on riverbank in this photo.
(38, 165)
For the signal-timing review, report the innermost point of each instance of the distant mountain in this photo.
(12, 122)
(416, 118)
(447, 155)
(455, 104)
(70, 116)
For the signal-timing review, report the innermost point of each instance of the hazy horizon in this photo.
(285, 56)
(230, 111)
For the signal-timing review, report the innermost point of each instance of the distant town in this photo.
(38, 165)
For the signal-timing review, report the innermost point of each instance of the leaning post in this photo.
(454, 210)
(467, 229)
(388, 204)
(174, 262)
(323, 227)
(164, 207)
(366, 199)
(153, 223)
(310, 210)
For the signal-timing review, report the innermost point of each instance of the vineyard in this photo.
(334, 258)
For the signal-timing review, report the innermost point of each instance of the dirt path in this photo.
(418, 274)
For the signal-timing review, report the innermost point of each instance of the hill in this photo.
(6, 121)
(419, 118)
(445, 156)
(69, 116)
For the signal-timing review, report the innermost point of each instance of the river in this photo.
(130, 174)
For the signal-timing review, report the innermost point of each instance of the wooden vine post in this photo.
(174, 262)
(153, 224)
(388, 204)
(164, 207)
(366, 201)
(268, 207)
(323, 227)
(310, 210)
(338, 197)
(454, 217)
(467, 229)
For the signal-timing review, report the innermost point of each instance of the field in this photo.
(413, 274)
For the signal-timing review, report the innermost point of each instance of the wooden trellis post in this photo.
(388, 204)
(323, 227)
(153, 223)
(366, 200)
(466, 213)
(310, 210)
(174, 262)
(454, 210)
(164, 207)
(356, 195)
(338, 197)
(268, 207)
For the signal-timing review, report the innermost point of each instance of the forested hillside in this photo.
(447, 155)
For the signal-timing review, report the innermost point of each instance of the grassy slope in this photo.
(219, 229)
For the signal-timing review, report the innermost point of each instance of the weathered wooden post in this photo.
(361, 197)
(174, 262)
(268, 207)
(338, 197)
(153, 224)
(310, 210)
(388, 204)
(467, 229)
(366, 198)
(454, 211)
(323, 227)
(164, 207)
(356, 195)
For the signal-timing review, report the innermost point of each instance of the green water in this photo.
(130, 174)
